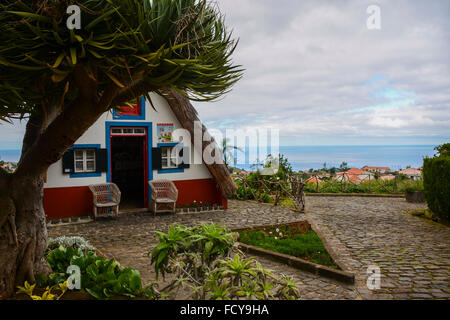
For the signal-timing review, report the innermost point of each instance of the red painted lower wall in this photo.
(205, 190)
(69, 202)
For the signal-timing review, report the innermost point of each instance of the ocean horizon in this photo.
(396, 157)
(307, 157)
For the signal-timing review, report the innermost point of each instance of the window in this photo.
(119, 131)
(169, 158)
(84, 160)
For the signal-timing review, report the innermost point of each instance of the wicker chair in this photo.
(106, 199)
(164, 196)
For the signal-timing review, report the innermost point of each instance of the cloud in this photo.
(315, 72)
(11, 135)
(313, 69)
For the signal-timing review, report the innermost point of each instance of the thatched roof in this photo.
(187, 116)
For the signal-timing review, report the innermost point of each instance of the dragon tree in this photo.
(61, 80)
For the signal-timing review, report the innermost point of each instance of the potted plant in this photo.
(197, 206)
(414, 193)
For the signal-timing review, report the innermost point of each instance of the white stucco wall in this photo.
(96, 135)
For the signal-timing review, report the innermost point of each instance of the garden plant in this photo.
(436, 175)
(206, 259)
(101, 278)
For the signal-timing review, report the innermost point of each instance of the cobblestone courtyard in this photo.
(414, 256)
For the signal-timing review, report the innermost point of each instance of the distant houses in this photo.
(367, 173)
(387, 177)
(376, 169)
(412, 173)
(8, 166)
(315, 179)
(354, 175)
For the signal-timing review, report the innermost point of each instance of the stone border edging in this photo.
(301, 264)
(89, 218)
(368, 195)
(68, 221)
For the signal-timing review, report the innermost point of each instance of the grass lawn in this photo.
(307, 246)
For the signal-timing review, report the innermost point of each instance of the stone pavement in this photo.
(129, 238)
(413, 255)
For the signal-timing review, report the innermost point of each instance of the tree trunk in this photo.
(23, 231)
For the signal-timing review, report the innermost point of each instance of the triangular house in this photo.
(130, 148)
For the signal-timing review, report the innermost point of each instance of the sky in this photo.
(315, 72)
(319, 75)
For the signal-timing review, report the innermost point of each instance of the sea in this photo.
(307, 157)
(316, 157)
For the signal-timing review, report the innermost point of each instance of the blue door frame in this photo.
(147, 125)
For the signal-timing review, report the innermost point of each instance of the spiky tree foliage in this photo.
(228, 151)
(63, 80)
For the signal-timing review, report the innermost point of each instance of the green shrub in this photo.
(249, 192)
(413, 186)
(207, 260)
(266, 198)
(374, 186)
(436, 180)
(100, 277)
(210, 240)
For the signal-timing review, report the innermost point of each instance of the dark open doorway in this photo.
(127, 169)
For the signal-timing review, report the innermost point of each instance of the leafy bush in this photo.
(240, 278)
(240, 192)
(374, 186)
(207, 259)
(413, 186)
(266, 198)
(210, 240)
(436, 175)
(48, 294)
(100, 277)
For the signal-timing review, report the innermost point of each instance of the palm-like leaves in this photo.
(180, 44)
(227, 151)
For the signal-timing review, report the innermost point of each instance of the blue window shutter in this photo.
(156, 159)
(101, 160)
(68, 164)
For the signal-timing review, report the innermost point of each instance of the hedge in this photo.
(436, 181)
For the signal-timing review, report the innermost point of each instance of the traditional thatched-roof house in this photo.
(130, 148)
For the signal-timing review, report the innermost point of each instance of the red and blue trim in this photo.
(148, 126)
(140, 116)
